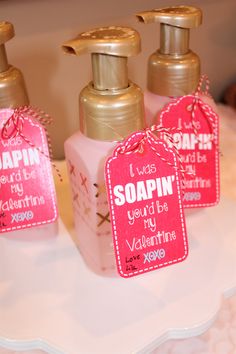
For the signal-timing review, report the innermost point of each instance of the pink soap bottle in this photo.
(174, 69)
(13, 94)
(111, 107)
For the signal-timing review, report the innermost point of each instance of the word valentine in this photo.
(145, 242)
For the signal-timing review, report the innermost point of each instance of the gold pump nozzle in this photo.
(12, 86)
(173, 70)
(111, 106)
(110, 47)
(113, 40)
(6, 33)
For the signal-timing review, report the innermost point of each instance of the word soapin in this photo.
(143, 190)
(187, 141)
(13, 159)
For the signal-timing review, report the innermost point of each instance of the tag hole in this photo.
(189, 107)
(141, 149)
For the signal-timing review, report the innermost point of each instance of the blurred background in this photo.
(54, 79)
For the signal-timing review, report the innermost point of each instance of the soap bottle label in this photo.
(194, 127)
(144, 194)
(27, 193)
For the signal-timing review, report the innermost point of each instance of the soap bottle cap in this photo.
(12, 86)
(111, 106)
(173, 70)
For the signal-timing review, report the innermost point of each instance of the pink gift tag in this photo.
(27, 193)
(143, 184)
(195, 131)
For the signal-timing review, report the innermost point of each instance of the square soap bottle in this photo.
(110, 108)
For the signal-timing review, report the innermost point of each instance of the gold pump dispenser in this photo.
(173, 70)
(111, 107)
(12, 86)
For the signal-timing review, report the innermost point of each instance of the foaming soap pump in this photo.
(176, 100)
(111, 107)
(12, 86)
(174, 69)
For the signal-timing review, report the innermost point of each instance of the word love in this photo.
(13, 159)
(143, 190)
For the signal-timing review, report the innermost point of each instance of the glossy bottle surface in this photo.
(108, 116)
(173, 69)
(85, 159)
(110, 108)
(153, 104)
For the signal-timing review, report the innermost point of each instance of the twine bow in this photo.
(14, 126)
(151, 135)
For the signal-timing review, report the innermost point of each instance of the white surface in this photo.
(219, 339)
(63, 308)
(50, 300)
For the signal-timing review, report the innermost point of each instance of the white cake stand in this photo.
(51, 301)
